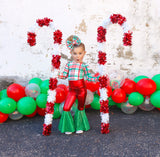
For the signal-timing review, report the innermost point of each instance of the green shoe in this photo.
(66, 123)
(81, 121)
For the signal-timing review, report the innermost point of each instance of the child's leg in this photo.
(71, 98)
(80, 118)
(81, 96)
(66, 124)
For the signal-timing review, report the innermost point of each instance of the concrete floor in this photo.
(136, 135)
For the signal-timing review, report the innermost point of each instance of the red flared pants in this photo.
(77, 90)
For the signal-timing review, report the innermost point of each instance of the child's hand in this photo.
(96, 74)
(59, 75)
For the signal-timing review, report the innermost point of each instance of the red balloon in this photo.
(16, 91)
(88, 106)
(146, 86)
(129, 86)
(60, 95)
(67, 90)
(92, 86)
(33, 114)
(109, 91)
(41, 111)
(118, 95)
(64, 87)
(3, 117)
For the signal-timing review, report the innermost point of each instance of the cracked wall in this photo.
(81, 18)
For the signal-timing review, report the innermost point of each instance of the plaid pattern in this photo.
(77, 71)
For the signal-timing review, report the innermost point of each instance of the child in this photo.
(75, 70)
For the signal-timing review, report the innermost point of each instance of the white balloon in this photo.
(146, 106)
(73, 108)
(32, 90)
(128, 108)
(15, 115)
(89, 97)
(116, 79)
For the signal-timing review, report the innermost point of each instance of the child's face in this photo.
(78, 54)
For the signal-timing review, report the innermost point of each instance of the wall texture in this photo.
(82, 18)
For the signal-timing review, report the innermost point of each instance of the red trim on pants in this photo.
(77, 90)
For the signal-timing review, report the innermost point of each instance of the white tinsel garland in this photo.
(55, 73)
(103, 94)
(125, 27)
(48, 119)
(51, 25)
(104, 117)
(106, 22)
(51, 96)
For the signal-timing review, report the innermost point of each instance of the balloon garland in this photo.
(104, 80)
(145, 94)
(57, 37)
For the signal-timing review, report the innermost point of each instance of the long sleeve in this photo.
(88, 74)
(64, 74)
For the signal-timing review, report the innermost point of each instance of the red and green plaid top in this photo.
(77, 71)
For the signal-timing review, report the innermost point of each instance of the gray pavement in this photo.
(136, 135)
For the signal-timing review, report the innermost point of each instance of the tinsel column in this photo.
(52, 83)
(55, 65)
(102, 60)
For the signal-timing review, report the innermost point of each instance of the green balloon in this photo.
(7, 105)
(135, 99)
(57, 113)
(155, 99)
(95, 103)
(3, 94)
(156, 79)
(111, 102)
(36, 80)
(138, 78)
(41, 100)
(26, 105)
(44, 86)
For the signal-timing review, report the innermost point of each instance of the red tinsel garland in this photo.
(117, 18)
(101, 37)
(53, 83)
(49, 108)
(127, 39)
(31, 38)
(56, 61)
(103, 81)
(57, 37)
(44, 22)
(104, 106)
(104, 128)
(47, 129)
(102, 57)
